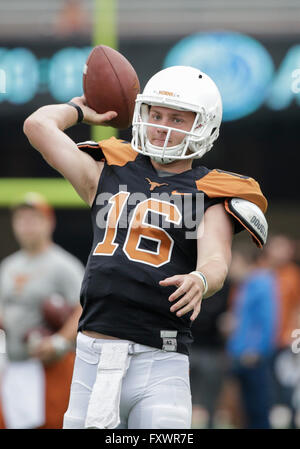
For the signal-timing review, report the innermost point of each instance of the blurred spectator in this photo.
(72, 19)
(252, 327)
(279, 256)
(36, 378)
(208, 361)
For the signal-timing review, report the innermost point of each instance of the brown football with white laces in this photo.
(110, 83)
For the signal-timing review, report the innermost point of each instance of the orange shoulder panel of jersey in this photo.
(117, 152)
(218, 183)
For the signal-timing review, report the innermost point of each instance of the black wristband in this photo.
(79, 111)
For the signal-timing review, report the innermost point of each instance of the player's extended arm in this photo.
(214, 257)
(45, 131)
(214, 248)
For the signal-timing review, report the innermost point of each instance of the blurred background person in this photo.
(252, 326)
(279, 255)
(72, 19)
(208, 361)
(37, 375)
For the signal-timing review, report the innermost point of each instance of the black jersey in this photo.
(144, 229)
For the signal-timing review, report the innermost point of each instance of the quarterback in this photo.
(145, 277)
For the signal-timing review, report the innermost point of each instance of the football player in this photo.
(37, 376)
(163, 229)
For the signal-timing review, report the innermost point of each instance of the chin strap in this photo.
(158, 150)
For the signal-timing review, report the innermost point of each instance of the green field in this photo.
(57, 191)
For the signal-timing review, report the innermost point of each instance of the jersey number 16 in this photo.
(138, 229)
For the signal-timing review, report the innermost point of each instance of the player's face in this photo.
(280, 251)
(162, 116)
(31, 227)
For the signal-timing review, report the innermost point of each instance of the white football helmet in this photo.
(186, 89)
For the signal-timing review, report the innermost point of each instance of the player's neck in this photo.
(37, 248)
(178, 166)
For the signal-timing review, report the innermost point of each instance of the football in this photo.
(56, 311)
(34, 336)
(110, 83)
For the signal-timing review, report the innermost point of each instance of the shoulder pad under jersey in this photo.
(91, 148)
(220, 184)
(113, 151)
(117, 151)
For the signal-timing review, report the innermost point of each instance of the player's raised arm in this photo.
(45, 131)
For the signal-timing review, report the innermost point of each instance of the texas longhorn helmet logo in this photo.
(154, 184)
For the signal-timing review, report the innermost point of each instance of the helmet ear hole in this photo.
(213, 131)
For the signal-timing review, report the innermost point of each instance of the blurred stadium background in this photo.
(44, 44)
(251, 49)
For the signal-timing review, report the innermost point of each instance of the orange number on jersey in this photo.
(107, 247)
(138, 229)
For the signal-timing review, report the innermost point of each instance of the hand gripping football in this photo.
(56, 311)
(110, 83)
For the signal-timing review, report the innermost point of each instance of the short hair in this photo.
(33, 200)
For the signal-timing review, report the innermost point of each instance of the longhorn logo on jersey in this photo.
(154, 184)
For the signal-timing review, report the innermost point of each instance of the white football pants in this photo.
(155, 390)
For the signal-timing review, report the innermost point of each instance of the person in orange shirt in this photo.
(279, 256)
